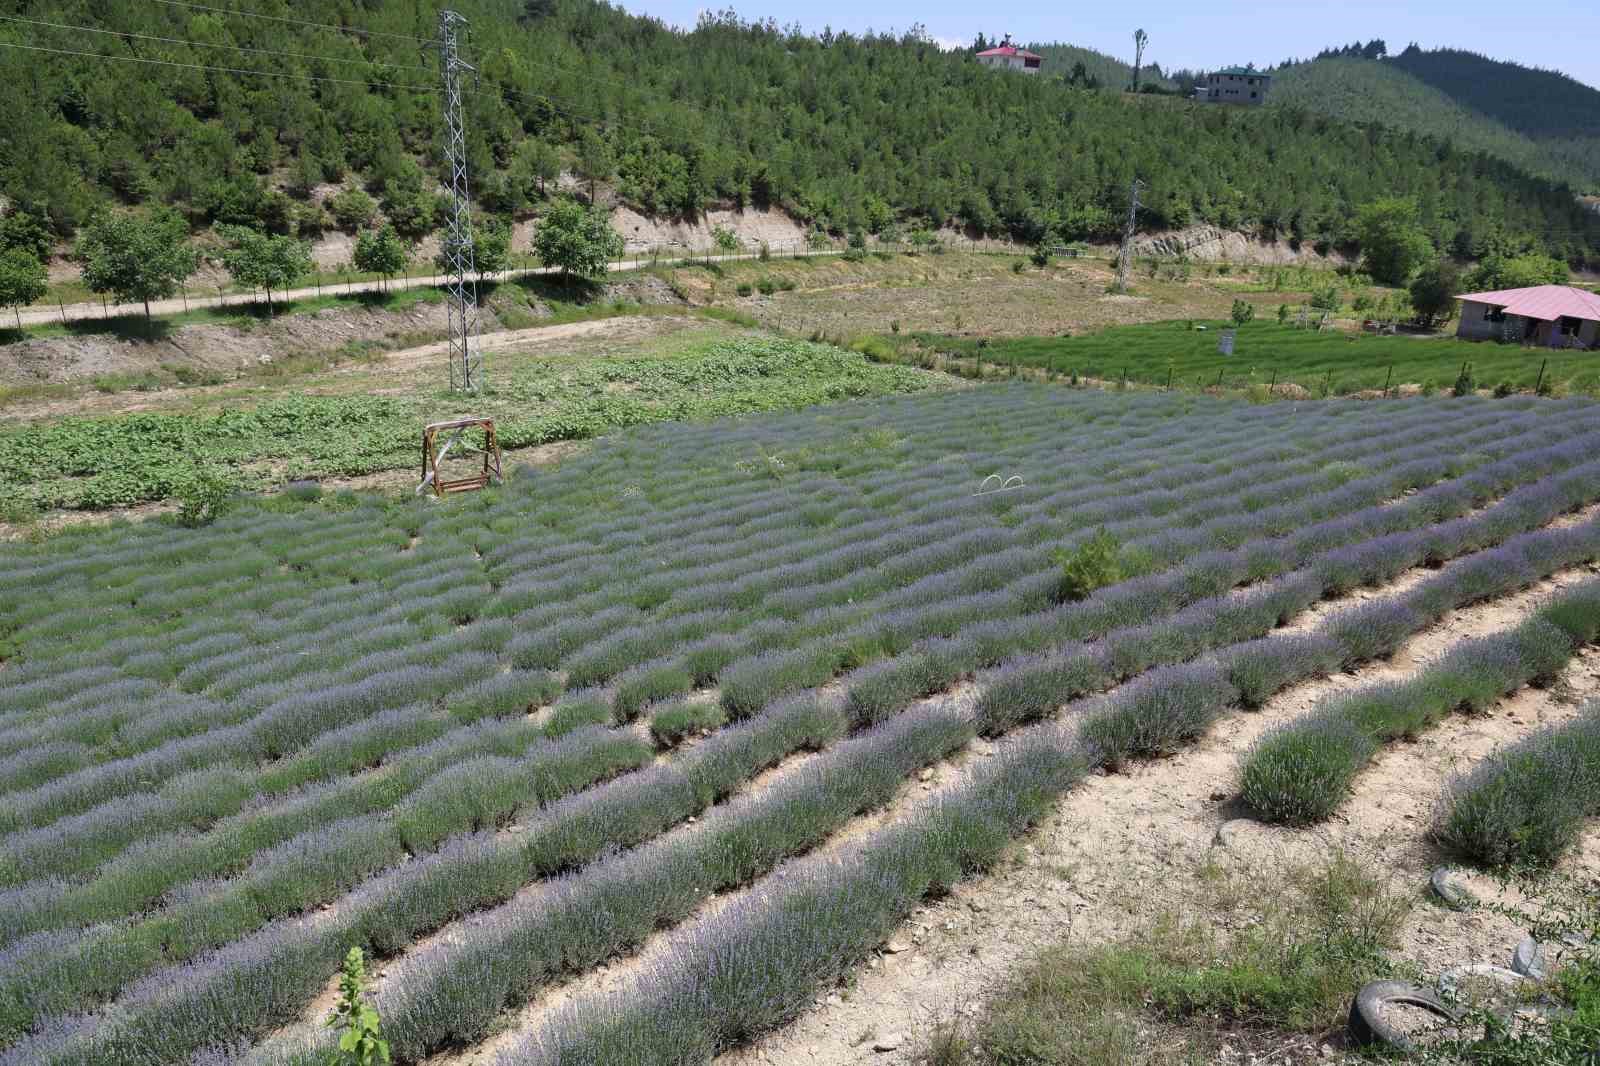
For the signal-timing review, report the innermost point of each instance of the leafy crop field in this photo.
(1332, 363)
(645, 700)
(128, 458)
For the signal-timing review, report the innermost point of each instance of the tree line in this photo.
(849, 133)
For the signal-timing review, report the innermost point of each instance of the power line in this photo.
(203, 44)
(293, 22)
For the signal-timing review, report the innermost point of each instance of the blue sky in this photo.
(1559, 34)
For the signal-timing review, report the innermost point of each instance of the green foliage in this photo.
(28, 232)
(1466, 384)
(260, 261)
(491, 249)
(1243, 311)
(112, 462)
(203, 496)
(1433, 293)
(1327, 297)
(361, 1040)
(1515, 272)
(1393, 242)
(136, 258)
(1388, 94)
(1283, 314)
(725, 239)
(22, 278)
(1093, 564)
(352, 208)
(381, 251)
(576, 238)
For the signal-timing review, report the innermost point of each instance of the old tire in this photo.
(1367, 1026)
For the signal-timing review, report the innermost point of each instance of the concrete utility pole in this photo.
(466, 365)
(1125, 260)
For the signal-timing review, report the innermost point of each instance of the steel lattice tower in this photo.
(466, 365)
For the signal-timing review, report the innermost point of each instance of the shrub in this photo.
(675, 721)
(1092, 564)
(306, 491)
(1156, 714)
(203, 496)
(744, 289)
(1300, 773)
(767, 285)
(1466, 384)
(1528, 802)
(1243, 311)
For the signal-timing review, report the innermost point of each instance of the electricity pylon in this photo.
(466, 365)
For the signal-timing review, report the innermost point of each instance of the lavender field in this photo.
(644, 699)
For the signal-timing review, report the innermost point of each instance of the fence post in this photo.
(1169, 379)
(1386, 380)
(1274, 386)
(1539, 384)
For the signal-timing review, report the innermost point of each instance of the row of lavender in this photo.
(175, 858)
(754, 964)
(1488, 524)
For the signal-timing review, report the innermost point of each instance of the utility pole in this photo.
(1125, 260)
(466, 365)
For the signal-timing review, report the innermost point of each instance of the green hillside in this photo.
(843, 131)
(1541, 120)
(1364, 91)
(1109, 71)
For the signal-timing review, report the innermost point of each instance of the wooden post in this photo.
(1169, 378)
(1539, 384)
(62, 307)
(1387, 379)
(105, 311)
(1274, 386)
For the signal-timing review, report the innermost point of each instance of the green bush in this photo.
(743, 288)
(767, 285)
(1093, 564)
(203, 496)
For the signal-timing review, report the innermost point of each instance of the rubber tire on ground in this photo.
(1367, 1027)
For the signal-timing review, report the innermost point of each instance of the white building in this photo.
(1237, 85)
(1007, 56)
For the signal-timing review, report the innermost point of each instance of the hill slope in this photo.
(1111, 72)
(844, 131)
(1541, 120)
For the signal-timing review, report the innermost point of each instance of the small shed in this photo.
(1552, 316)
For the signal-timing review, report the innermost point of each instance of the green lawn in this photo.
(1339, 362)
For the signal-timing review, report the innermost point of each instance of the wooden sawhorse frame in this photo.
(433, 455)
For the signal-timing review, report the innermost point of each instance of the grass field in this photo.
(1322, 363)
(670, 697)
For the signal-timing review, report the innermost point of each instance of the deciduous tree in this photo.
(264, 261)
(1393, 243)
(576, 238)
(136, 257)
(22, 280)
(381, 252)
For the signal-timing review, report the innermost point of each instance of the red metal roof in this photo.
(1010, 50)
(1544, 302)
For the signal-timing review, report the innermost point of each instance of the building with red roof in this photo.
(1555, 316)
(1007, 56)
